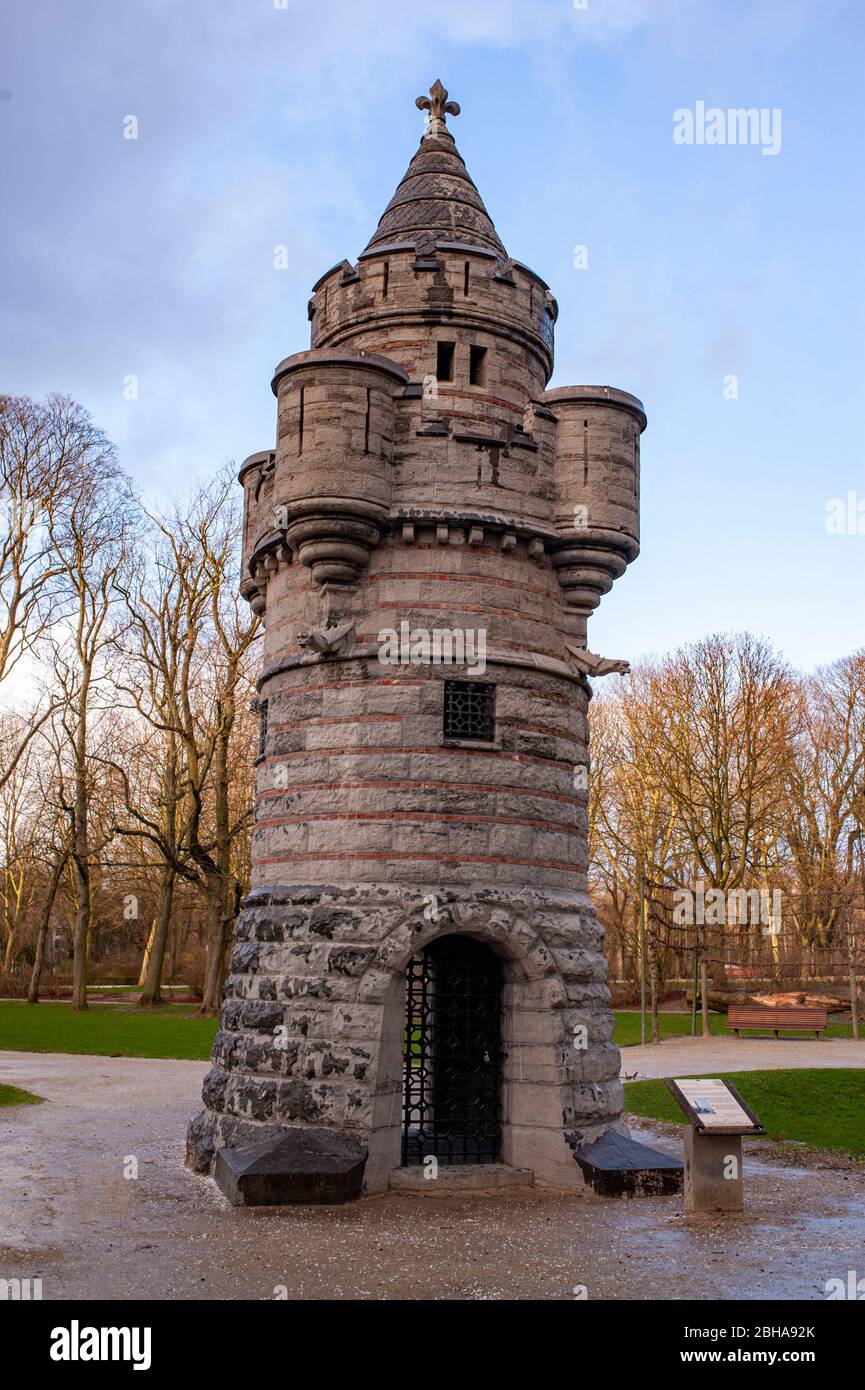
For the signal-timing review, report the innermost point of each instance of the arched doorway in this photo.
(452, 1053)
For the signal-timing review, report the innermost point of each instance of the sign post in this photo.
(713, 1144)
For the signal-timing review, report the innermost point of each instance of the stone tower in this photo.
(426, 542)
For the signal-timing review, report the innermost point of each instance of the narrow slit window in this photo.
(445, 361)
(469, 710)
(262, 728)
(385, 279)
(366, 422)
(477, 366)
(466, 278)
(300, 424)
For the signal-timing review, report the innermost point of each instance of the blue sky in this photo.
(261, 126)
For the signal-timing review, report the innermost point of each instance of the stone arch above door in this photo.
(504, 929)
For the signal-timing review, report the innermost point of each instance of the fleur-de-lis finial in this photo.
(438, 106)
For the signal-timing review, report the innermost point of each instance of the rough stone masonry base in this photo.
(311, 1029)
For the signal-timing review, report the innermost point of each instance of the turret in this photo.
(597, 488)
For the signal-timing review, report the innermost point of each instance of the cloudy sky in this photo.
(270, 122)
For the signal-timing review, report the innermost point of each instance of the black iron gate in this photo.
(453, 1054)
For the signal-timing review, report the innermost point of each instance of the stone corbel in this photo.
(587, 569)
(333, 537)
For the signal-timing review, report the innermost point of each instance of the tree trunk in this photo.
(80, 941)
(652, 944)
(854, 983)
(152, 993)
(704, 993)
(81, 856)
(216, 943)
(42, 930)
(81, 927)
(148, 951)
(220, 887)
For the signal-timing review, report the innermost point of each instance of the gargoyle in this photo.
(330, 639)
(589, 664)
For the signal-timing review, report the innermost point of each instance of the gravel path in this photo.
(68, 1215)
(682, 1056)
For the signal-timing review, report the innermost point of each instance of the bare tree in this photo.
(92, 538)
(718, 720)
(44, 448)
(187, 667)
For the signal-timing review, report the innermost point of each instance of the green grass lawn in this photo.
(627, 1032)
(11, 1095)
(822, 1109)
(106, 1031)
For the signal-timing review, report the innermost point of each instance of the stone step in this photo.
(452, 1179)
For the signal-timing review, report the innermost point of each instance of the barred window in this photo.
(469, 710)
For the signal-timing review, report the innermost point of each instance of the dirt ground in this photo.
(70, 1217)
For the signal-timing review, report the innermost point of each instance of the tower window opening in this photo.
(262, 728)
(366, 422)
(300, 424)
(469, 710)
(385, 279)
(477, 366)
(466, 278)
(445, 361)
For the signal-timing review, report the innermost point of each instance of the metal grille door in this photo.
(453, 1054)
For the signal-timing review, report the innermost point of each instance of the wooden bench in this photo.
(795, 1018)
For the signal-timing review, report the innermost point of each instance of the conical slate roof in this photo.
(436, 197)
